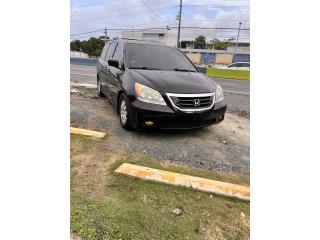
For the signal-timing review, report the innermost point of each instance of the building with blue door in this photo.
(241, 58)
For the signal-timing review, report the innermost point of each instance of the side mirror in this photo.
(113, 63)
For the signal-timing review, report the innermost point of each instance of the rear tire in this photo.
(125, 113)
(100, 94)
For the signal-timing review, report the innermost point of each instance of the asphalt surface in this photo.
(237, 92)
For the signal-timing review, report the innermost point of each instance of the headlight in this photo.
(149, 95)
(219, 94)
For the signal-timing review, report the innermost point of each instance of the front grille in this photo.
(192, 102)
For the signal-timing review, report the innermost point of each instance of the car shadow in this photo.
(171, 133)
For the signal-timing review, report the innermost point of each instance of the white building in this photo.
(76, 54)
(243, 47)
(154, 35)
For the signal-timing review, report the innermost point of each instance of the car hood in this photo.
(174, 81)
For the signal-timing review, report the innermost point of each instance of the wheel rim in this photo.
(123, 112)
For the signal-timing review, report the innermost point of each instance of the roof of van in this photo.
(137, 41)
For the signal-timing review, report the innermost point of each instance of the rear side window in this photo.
(104, 51)
(110, 50)
(118, 52)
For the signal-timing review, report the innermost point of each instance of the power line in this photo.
(104, 3)
(73, 34)
(144, 24)
(219, 28)
(116, 29)
(159, 28)
(152, 10)
(215, 6)
(173, 23)
(120, 14)
(217, 20)
(122, 8)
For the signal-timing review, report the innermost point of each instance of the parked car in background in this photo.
(239, 66)
(233, 66)
(156, 86)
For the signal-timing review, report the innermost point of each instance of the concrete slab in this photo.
(172, 178)
(86, 132)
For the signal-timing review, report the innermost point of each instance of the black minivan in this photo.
(157, 86)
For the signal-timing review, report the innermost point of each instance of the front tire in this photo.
(125, 113)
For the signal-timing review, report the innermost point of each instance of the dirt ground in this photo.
(106, 205)
(224, 147)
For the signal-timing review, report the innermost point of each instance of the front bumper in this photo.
(165, 117)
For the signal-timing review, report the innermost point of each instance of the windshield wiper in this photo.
(146, 68)
(183, 70)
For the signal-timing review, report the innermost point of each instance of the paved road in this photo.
(237, 92)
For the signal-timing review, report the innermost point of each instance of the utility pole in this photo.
(215, 33)
(168, 28)
(235, 51)
(105, 35)
(178, 41)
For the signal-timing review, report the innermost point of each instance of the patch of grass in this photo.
(130, 208)
(227, 73)
(86, 142)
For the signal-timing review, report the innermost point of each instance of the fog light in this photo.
(149, 123)
(220, 117)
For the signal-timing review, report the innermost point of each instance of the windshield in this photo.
(142, 56)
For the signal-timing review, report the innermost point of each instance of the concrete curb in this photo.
(86, 132)
(86, 85)
(177, 179)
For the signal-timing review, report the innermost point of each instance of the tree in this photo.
(220, 45)
(200, 42)
(93, 46)
(75, 45)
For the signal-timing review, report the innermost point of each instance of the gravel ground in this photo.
(225, 147)
(238, 104)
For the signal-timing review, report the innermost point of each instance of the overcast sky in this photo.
(91, 15)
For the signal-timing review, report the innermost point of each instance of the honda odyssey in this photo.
(156, 86)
